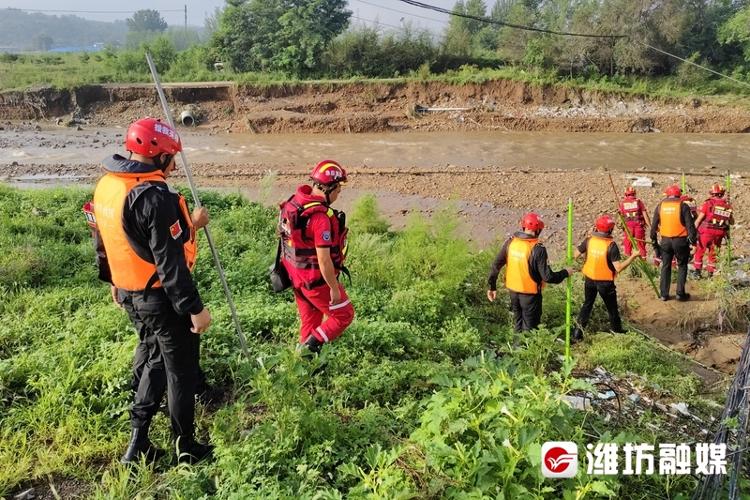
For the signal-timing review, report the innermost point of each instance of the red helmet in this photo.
(150, 137)
(605, 224)
(717, 190)
(630, 191)
(673, 191)
(532, 222)
(328, 173)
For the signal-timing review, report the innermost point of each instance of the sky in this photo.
(364, 11)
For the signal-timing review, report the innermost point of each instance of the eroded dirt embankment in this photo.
(384, 106)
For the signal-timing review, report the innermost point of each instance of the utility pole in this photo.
(186, 18)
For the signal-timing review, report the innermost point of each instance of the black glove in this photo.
(657, 249)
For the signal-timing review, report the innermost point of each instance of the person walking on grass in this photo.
(602, 264)
(714, 218)
(673, 221)
(527, 271)
(146, 248)
(313, 250)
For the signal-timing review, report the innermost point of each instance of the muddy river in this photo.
(424, 150)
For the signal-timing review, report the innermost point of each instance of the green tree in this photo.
(147, 20)
(279, 35)
(736, 31)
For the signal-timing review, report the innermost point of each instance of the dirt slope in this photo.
(372, 107)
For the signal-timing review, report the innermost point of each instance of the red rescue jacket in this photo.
(719, 214)
(631, 209)
(298, 245)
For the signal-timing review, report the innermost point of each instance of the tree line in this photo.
(310, 38)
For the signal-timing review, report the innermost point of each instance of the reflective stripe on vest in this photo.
(298, 249)
(670, 225)
(630, 208)
(517, 275)
(720, 213)
(596, 267)
(129, 271)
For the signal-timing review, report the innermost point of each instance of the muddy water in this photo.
(533, 150)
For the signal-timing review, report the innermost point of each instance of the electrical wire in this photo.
(378, 23)
(91, 11)
(422, 5)
(443, 21)
(488, 20)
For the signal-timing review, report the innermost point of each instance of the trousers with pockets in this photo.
(166, 359)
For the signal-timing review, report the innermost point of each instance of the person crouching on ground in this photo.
(600, 268)
(527, 270)
(313, 241)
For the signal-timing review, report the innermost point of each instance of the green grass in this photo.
(71, 70)
(421, 397)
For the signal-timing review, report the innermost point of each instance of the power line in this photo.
(91, 11)
(503, 23)
(565, 33)
(377, 22)
(403, 12)
(657, 49)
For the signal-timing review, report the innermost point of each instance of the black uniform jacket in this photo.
(150, 209)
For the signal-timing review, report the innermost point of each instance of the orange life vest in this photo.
(670, 225)
(129, 271)
(517, 273)
(596, 267)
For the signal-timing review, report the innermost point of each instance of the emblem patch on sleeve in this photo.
(326, 236)
(175, 230)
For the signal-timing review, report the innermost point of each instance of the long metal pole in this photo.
(197, 201)
(569, 295)
(728, 258)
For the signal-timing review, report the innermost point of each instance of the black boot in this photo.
(313, 344)
(576, 335)
(190, 451)
(140, 446)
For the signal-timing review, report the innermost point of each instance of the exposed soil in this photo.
(376, 107)
(488, 191)
(691, 328)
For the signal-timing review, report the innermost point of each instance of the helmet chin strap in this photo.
(327, 190)
(162, 165)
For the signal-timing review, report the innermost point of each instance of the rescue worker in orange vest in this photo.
(313, 241)
(634, 212)
(146, 248)
(600, 268)
(674, 222)
(527, 270)
(714, 218)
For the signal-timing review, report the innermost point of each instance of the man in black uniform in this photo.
(527, 270)
(674, 222)
(146, 248)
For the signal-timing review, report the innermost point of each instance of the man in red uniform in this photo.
(714, 218)
(600, 268)
(674, 222)
(313, 240)
(527, 271)
(634, 212)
